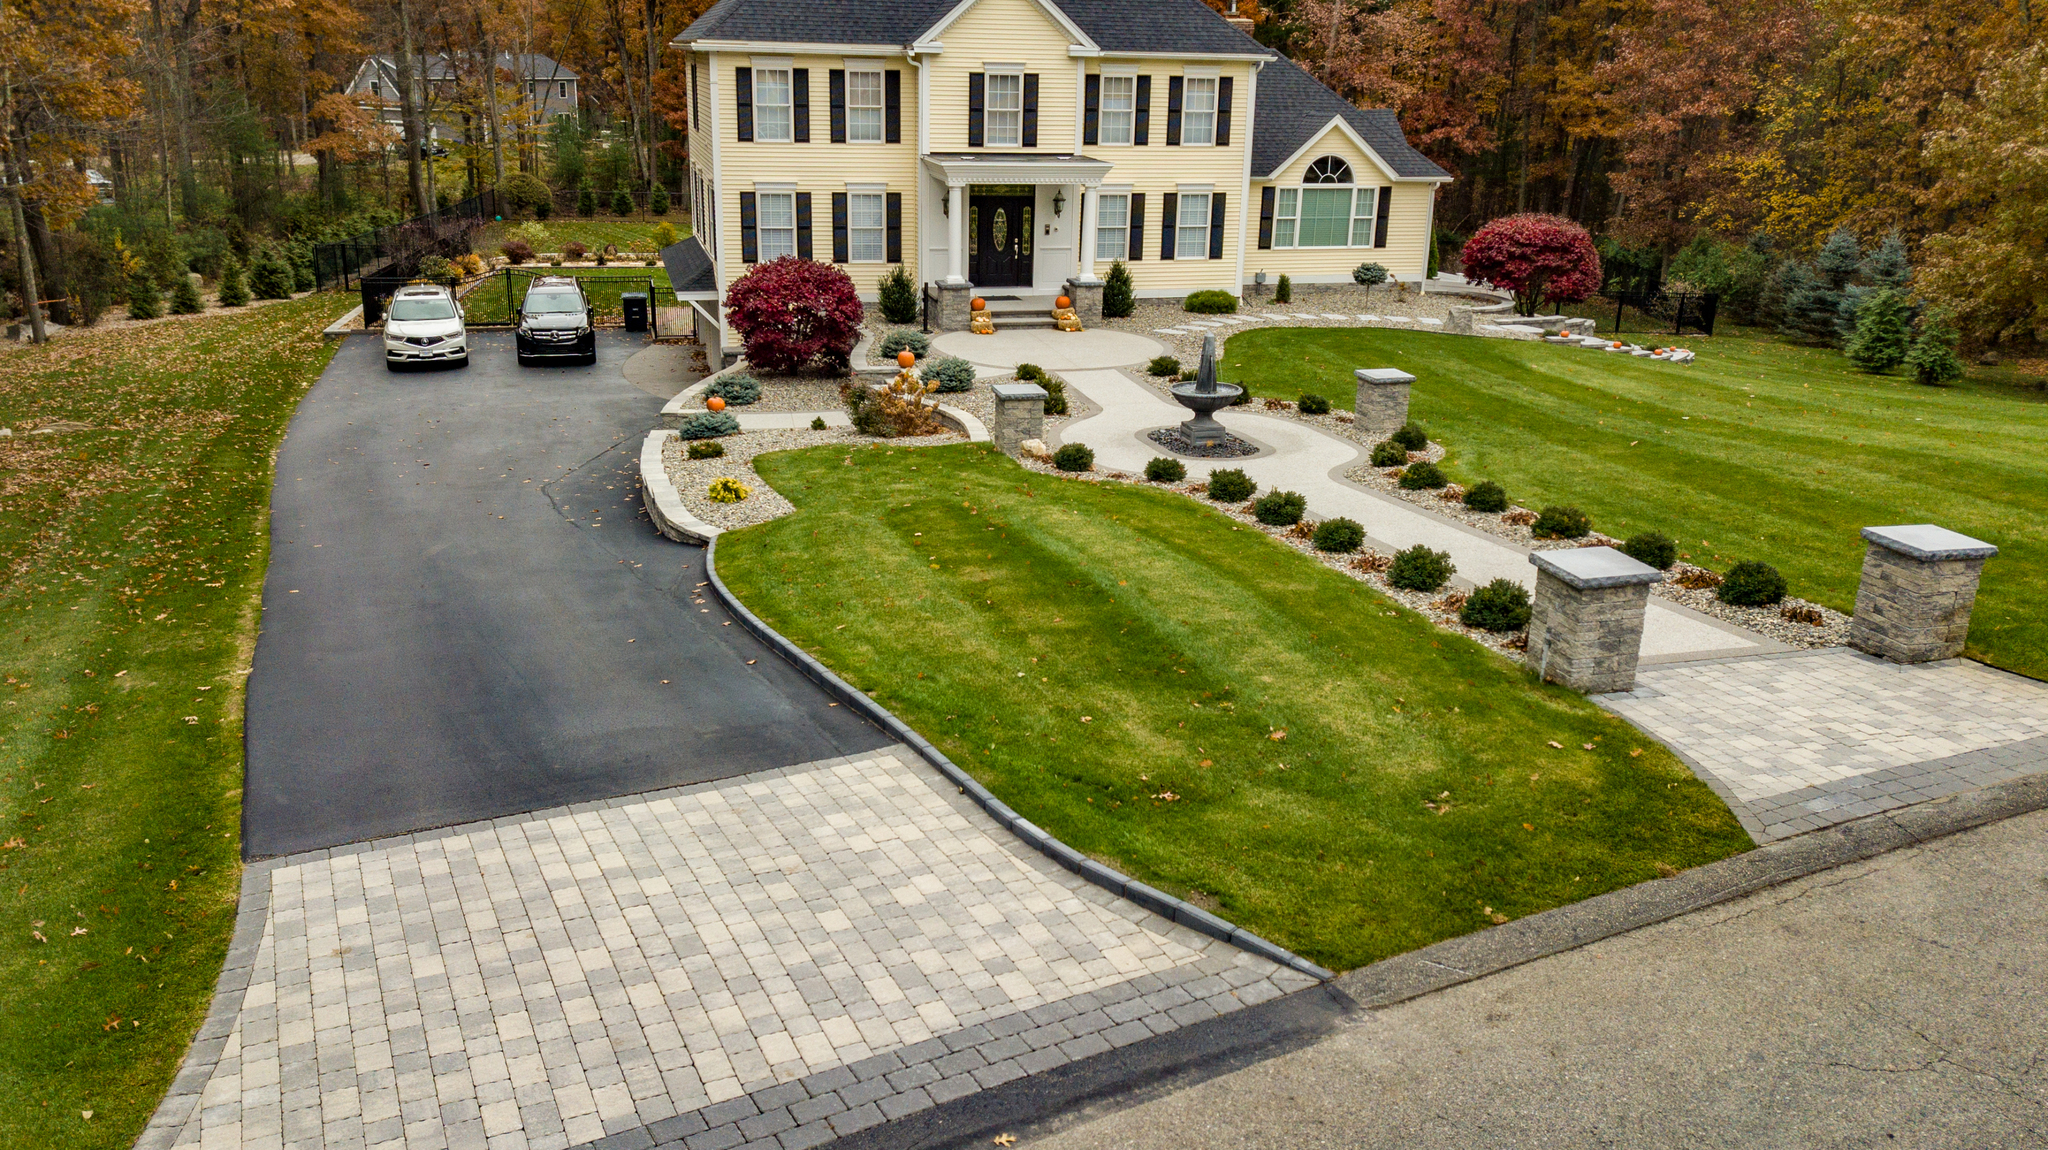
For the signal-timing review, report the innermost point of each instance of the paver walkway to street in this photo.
(772, 961)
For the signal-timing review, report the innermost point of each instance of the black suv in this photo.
(556, 322)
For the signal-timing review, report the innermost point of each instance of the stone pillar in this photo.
(1020, 415)
(1382, 402)
(1087, 297)
(953, 311)
(956, 235)
(1586, 624)
(1919, 583)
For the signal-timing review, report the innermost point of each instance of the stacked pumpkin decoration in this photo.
(1063, 314)
(980, 322)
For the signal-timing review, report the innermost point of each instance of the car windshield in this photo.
(430, 307)
(553, 303)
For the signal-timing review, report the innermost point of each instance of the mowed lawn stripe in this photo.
(1170, 646)
(1761, 449)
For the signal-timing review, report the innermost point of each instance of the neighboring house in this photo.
(549, 86)
(1022, 145)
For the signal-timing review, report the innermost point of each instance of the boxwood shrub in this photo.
(953, 373)
(1422, 475)
(1652, 548)
(1164, 470)
(1231, 485)
(1279, 508)
(1420, 569)
(706, 449)
(1751, 584)
(1502, 605)
(919, 343)
(1163, 365)
(738, 389)
(1312, 404)
(1340, 535)
(1486, 495)
(707, 425)
(1411, 436)
(1387, 453)
(1211, 302)
(1074, 457)
(1561, 523)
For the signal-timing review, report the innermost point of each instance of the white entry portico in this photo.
(1011, 220)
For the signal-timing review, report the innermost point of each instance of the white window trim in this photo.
(761, 228)
(881, 109)
(990, 71)
(881, 193)
(1101, 111)
(788, 68)
(1351, 222)
(1212, 74)
(1181, 231)
(1124, 192)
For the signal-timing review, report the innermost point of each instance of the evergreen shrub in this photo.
(1119, 295)
(1652, 549)
(1420, 569)
(1279, 508)
(1561, 523)
(953, 373)
(1421, 476)
(1074, 457)
(899, 297)
(1164, 470)
(738, 389)
(1486, 495)
(1342, 536)
(707, 425)
(1231, 485)
(1387, 453)
(1502, 605)
(1751, 584)
(1312, 404)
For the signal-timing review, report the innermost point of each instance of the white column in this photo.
(1087, 264)
(956, 234)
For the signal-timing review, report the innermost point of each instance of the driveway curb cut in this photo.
(1156, 901)
(1474, 956)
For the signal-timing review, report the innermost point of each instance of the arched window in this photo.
(1328, 170)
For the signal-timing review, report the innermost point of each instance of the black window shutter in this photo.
(1223, 87)
(892, 107)
(895, 227)
(1216, 226)
(1379, 227)
(839, 245)
(1091, 115)
(803, 225)
(800, 101)
(1137, 246)
(1141, 127)
(835, 82)
(977, 112)
(1266, 217)
(1169, 216)
(750, 238)
(1029, 136)
(1172, 111)
(696, 97)
(743, 79)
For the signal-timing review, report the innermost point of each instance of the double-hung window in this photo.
(1003, 123)
(773, 118)
(1119, 108)
(1112, 225)
(864, 107)
(777, 227)
(1191, 228)
(866, 226)
(562, 90)
(1198, 110)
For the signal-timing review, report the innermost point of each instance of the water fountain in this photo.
(1203, 435)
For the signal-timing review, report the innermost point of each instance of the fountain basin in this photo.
(1203, 429)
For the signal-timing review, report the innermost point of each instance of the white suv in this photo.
(424, 325)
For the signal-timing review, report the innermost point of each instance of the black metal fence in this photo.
(396, 251)
(1679, 310)
(496, 299)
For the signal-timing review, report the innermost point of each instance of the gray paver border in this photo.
(1164, 905)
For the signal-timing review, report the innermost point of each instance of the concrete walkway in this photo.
(1298, 457)
(776, 960)
(1893, 1002)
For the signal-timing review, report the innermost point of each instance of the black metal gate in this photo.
(1681, 310)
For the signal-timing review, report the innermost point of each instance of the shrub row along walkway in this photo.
(775, 960)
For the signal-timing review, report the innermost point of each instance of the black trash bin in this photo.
(635, 305)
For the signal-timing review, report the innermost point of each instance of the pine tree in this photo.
(145, 300)
(1119, 298)
(1283, 292)
(622, 201)
(185, 297)
(1839, 259)
(1932, 359)
(1811, 307)
(271, 278)
(586, 198)
(1887, 266)
(234, 289)
(898, 296)
(657, 200)
(1882, 336)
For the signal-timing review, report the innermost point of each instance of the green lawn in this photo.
(493, 300)
(1760, 450)
(131, 568)
(1087, 651)
(631, 233)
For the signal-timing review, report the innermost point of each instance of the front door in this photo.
(999, 241)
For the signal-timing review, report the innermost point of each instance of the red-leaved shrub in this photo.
(516, 251)
(573, 251)
(1537, 257)
(795, 313)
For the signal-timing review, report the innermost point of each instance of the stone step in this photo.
(1028, 304)
(1015, 320)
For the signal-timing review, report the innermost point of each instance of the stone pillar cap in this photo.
(1586, 568)
(1383, 375)
(1018, 391)
(1928, 543)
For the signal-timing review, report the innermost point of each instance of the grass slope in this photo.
(632, 233)
(493, 301)
(1087, 651)
(134, 556)
(1760, 450)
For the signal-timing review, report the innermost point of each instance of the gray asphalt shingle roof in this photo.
(1293, 106)
(1115, 25)
(689, 266)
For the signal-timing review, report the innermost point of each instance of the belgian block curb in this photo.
(1474, 956)
(1160, 903)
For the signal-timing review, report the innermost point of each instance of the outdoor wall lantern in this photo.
(1059, 202)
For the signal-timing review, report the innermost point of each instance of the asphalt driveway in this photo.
(467, 614)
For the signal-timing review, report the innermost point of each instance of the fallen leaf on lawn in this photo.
(1586, 746)
(1634, 751)
(112, 1022)
(1556, 744)
(1498, 919)
(38, 935)
(1166, 796)
(76, 931)
(1087, 718)
(1528, 827)
(85, 1114)
(190, 719)
(1278, 736)
(1208, 762)
(1006, 1139)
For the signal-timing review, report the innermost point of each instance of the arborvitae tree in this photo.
(622, 201)
(145, 300)
(185, 297)
(1119, 297)
(1283, 292)
(898, 296)
(657, 200)
(1933, 359)
(271, 278)
(234, 289)
(586, 199)
(1882, 336)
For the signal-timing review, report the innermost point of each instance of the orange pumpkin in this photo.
(1063, 301)
(715, 403)
(1617, 343)
(906, 358)
(978, 304)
